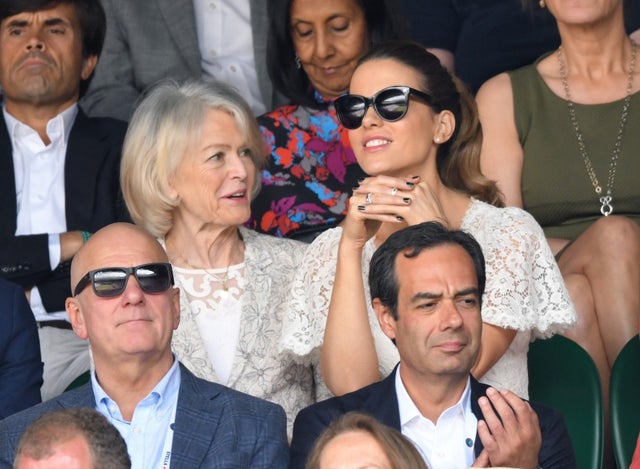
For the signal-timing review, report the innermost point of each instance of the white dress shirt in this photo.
(447, 444)
(40, 195)
(225, 38)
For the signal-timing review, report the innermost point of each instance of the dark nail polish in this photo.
(361, 180)
(361, 208)
(355, 188)
(409, 184)
(399, 218)
(406, 200)
(415, 177)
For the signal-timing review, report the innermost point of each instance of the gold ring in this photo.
(368, 198)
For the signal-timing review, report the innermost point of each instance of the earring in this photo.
(437, 139)
(296, 59)
(542, 4)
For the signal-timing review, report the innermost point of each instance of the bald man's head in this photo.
(128, 308)
(113, 239)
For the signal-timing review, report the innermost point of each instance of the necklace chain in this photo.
(224, 280)
(606, 200)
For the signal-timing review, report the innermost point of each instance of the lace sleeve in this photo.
(525, 289)
(305, 319)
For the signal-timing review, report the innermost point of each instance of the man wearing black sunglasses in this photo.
(124, 302)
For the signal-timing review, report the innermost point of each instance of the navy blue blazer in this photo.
(381, 401)
(216, 427)
(20, 363)
(92, 200)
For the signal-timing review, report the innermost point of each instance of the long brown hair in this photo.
(458, 159)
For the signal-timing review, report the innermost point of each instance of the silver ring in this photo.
(394, 191)
(368, 198)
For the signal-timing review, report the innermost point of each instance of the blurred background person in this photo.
(189, 171)
(478, 39)
(58, 168)
(357, 440)
(180, 39)
(561, 140)
(72, 439)
(312, 51)
(20, 363)
(415, 131)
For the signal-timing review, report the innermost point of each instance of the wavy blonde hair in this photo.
(163, 129)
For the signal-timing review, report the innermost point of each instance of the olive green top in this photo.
(556, 188)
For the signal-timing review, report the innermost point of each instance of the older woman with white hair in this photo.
(189, 172)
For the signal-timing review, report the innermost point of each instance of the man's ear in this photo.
(385, 318)
(74, 310)
(88, 66)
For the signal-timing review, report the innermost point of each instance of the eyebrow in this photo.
(47, 22)
(295, 21)
(434, 296)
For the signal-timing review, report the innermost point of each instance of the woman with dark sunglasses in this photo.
(312, 50)
(415, 131)
(189, 172)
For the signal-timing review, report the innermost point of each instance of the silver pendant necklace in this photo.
(606, 201)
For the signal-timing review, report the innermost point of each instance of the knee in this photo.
(580, 291)
(616, 235)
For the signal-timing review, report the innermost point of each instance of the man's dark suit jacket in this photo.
(215, 427)
(381, 401)
(92, 200)
(20, 364)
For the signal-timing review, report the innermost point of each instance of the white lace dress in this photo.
(256, 303)
(524, 291)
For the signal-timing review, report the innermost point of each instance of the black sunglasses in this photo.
(109, 282)
(391, 104)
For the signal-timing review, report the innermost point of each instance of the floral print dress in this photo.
(309, 174)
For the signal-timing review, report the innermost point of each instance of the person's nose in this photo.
(371, 118)
(324, 46)
(450, 317)
(35, 42)
(133, 293)
(237, 167)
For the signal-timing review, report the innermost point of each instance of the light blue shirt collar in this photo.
(149, 434)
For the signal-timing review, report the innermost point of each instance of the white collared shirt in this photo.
(447, 444)
(149, 434)
(39, 180)
(225, 39)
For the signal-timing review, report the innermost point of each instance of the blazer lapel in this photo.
(255, 304)
(477, 390)
(8, 207)
(179, 18)
(260, 28)
(197, 419)
(82, 166)
(383, 402)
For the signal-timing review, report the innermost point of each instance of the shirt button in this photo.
(214, 52)
(233, 68)
(212, 6)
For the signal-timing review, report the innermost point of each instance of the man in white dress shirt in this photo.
(426, 287)
(146, 42)
(59, 169)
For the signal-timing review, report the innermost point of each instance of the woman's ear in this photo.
(444, 125)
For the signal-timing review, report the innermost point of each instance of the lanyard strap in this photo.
(165, 461)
